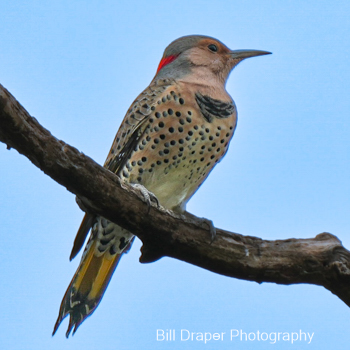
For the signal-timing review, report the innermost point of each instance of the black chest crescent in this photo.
(212, 108)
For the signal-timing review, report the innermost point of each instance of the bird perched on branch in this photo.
(172, 136)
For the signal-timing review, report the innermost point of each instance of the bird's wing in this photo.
(131, 130)
(134, 124)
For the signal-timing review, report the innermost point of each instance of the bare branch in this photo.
(321, 260)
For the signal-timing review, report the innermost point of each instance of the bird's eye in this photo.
(213, 48)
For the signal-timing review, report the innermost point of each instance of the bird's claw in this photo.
(81, 204)
(212, 228)
(147, 196)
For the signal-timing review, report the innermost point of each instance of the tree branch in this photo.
(321, 260)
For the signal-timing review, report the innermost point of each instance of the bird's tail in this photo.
(106, 245)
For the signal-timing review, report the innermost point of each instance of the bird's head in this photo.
(201, 55)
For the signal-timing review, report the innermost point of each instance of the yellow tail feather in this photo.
(87, 287)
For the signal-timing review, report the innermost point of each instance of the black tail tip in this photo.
(57, 324)
(72, 326)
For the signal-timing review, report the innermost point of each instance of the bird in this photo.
(170, 139)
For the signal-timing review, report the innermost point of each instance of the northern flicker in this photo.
(172, 136)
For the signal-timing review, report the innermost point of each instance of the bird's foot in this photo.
(147, 196)
(211, 226)
(81, 204)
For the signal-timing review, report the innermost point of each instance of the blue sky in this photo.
(77, 66)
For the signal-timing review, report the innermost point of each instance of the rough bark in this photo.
(321, 260)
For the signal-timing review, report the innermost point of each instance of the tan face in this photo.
(211, 54)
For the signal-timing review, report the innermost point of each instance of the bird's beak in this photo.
(242, 54)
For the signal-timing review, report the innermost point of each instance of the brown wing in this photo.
(131, 126)
(130, 131)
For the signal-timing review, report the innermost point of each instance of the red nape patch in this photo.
(165, 61)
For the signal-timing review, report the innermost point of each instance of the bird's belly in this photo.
(176, 153)
(175, 188)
